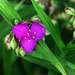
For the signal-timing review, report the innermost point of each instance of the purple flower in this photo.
(28, 36)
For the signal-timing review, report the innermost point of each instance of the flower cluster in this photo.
(29, 35)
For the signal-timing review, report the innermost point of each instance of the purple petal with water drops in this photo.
(37, 31)
(28, 44)
(20, 30)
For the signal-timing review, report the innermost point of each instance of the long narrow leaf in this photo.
(8, 12)
(49, 25)
(46, 53)
(36, 58)
(5, 29)
(9, 58)
(69, 48)
(41, 62)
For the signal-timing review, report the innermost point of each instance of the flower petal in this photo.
(20, 30)
(37, 31)
(28, 44)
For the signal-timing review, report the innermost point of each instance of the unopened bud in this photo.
(54, 21)
(43, 39)
(16, 22)
(7, 39)
(22, 52)
(8, 46)
(36, 18)
(36, 0)
(18, 51)
(13, 43)
(42, 5)
(72, 19)
(69, 11)
(47, 32)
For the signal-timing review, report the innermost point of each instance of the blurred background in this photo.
(55, 10)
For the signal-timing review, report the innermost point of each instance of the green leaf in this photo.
(8, 12)
(62, 61)
(46, 53)
(39, 61)
(51, 73)
(69, 67)
(5, 29)
(1, 19)
(27, 12)
(8, 59)
(27, 67)
(36, 58)
(69, 48)
(17, 7)
(49, 25)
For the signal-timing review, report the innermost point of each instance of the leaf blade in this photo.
(8, 12)
(49, 25)
(9, 58)
(46, 53)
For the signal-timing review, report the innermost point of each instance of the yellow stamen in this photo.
(34, 32)
(29, 30)
(25, 37)
(28, 40)
(33, 37)
(28, 34)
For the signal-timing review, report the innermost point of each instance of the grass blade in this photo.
(46, 53)
(49, 25)
(8, 12)
(9, 58)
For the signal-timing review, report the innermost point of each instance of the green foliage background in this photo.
(54, 56)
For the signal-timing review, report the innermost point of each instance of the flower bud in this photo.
(74, 23)
(69, 11)
(36, 0)
(69, 27)
(43, 39)
(16, 22)
(17, 51)
(7, 39)
(72, 19)
(22, 52)
(47, 32)
(42, 5)
(8, 46)
(54, 21)
(36, 18)
(13, 43)
(74, 35)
